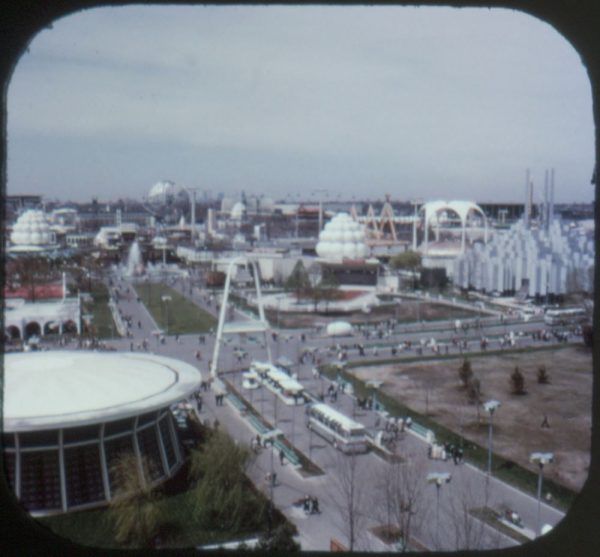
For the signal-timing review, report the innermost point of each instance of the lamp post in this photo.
(438, 479)
(540, 459)
(166, 299)
(490, 407)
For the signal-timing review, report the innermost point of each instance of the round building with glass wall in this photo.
(68, 416)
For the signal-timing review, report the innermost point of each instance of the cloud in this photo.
(443, 92)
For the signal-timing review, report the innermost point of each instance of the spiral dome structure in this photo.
(342, 238)
(32, 229)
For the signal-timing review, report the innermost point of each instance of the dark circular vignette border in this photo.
(578, 21)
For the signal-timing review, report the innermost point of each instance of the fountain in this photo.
(135, 265)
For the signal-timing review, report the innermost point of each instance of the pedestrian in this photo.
(545, 422)
(315, 506)
(281, 457)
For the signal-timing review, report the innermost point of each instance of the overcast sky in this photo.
(416, 102)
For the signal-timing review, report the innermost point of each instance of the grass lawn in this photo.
(102, 320)
(183, 316)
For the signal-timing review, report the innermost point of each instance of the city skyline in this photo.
(360, 101)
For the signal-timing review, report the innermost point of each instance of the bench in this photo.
(290, 454)
(421, 431)
(236, 402)
(257, 424)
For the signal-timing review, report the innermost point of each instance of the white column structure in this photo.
(192, 195)
(256, 326)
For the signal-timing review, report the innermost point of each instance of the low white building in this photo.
(23, 320)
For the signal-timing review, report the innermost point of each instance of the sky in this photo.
(430, 103)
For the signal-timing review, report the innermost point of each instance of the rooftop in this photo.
(53, 389)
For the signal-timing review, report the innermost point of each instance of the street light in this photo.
(438, 479)
(166, 299)
(540, 459)
(490, 407)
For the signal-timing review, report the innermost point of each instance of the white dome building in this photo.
(238, 211)
(32, 232)
(342, 238)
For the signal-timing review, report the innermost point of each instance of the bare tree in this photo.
(348, 496)
(469, 497)
(398, 500)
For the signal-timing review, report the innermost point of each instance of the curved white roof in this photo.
(341, 238)
(339, 328)
(238, 210)
(461, 208)
(54, 389)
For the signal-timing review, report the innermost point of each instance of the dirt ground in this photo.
(407, 312)
(434, 387)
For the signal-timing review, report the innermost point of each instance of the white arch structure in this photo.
(461, 208)
(235, 327)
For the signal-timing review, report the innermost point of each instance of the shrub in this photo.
(465, 372)
(517, 381)
(542, 375)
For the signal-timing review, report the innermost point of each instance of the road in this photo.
(445, 526)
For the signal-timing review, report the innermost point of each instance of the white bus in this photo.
(342, 432)
(567, 316)
(279, 382)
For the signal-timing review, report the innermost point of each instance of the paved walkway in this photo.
(315, 531)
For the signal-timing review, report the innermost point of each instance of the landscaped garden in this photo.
(102, 325)
(174, 313)
(209, 501)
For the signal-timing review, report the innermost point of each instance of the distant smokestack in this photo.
(545, 209)
(527, 210)
(551, 207)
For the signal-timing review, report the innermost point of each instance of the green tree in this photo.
(281, 539)
(329, 289)
(408, 260)
(299, 281)
(465, 372)
(223, 498)
(517, 382)
(134, 509)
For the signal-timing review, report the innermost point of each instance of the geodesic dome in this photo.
(342, 238)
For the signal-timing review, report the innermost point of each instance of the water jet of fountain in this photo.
(135, 266)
